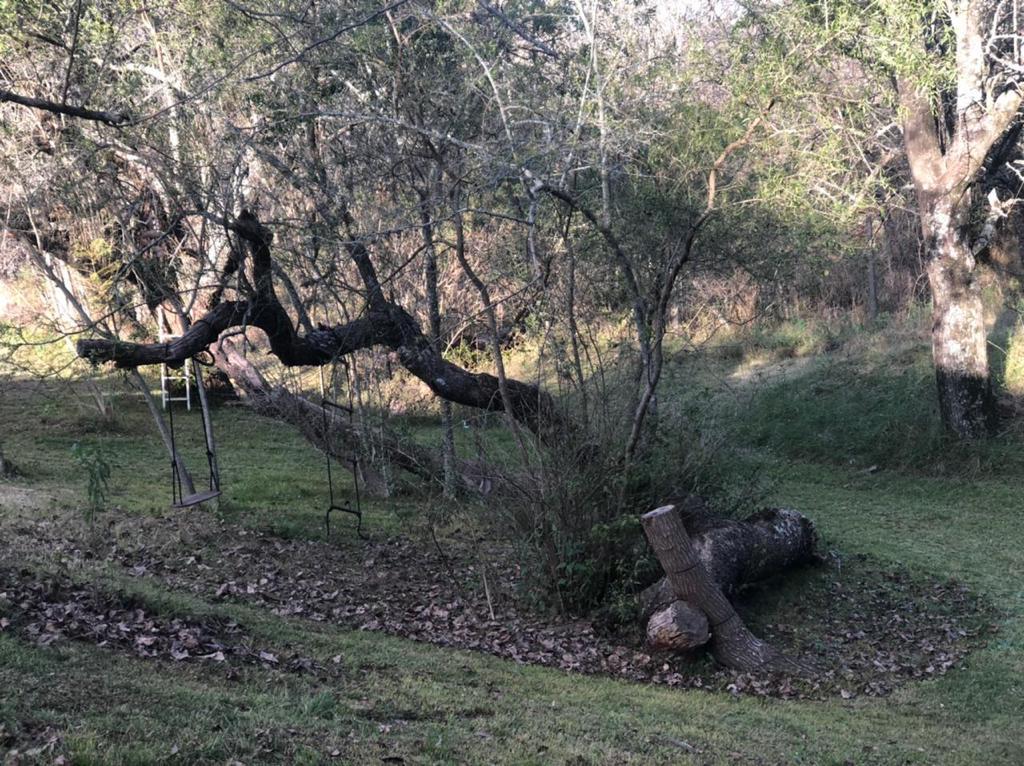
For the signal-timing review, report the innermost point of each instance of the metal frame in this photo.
(169, 375)
(354, 462)
(177, 499)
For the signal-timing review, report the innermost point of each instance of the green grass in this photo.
(271, 476)
(872, 406)
(843, 413)
(810, 435)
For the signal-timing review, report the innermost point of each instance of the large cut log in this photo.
(690, 581)
(736, 553)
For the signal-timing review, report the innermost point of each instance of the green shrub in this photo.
(1013, 371)
(577, 519)
(93, 461)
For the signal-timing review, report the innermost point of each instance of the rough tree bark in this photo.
(738, 552)
(734, 553)
(732, 644)
(948, 148)
(434, 314)
(959, 338)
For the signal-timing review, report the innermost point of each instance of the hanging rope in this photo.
(178, 500)
(211, 457)
(175, 475)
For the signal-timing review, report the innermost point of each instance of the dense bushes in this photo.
(573, 512)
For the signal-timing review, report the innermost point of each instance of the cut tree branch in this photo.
(113, 119)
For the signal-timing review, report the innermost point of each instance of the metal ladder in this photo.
(170, 376)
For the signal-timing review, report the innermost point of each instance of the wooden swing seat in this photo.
(197, 498)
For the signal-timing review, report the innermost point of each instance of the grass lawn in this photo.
(392, 700)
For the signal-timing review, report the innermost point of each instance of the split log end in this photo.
(679, 627)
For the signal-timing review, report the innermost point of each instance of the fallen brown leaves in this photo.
(866, 627)
(50, 609)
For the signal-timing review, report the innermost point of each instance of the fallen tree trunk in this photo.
(699, 570)
(385, 324)
(736, 553)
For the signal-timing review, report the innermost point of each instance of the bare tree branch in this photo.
(384, 324)
(113, 119)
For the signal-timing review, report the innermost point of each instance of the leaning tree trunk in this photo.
(188, 486)
(338, 440)
(740, 551)
(959, 342)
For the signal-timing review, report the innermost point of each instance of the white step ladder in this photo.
(170, 376)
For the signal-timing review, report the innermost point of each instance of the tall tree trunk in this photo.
(872, 275)
(434, 311)
(872, 303)
(947, 154)
(959, 343)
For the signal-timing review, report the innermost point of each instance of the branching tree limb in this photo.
(384, 323)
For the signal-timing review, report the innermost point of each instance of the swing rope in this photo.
(178, 500)
(211, 457)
